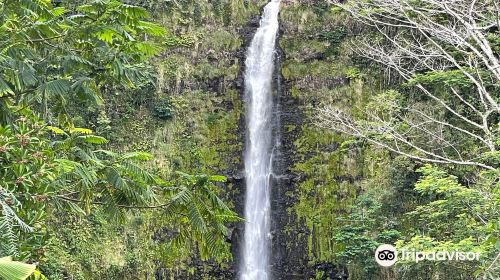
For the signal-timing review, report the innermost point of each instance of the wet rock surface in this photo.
(289, 259)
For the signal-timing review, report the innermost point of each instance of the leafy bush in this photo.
(163, 109)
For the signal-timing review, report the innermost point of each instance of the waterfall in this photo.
(258, 167)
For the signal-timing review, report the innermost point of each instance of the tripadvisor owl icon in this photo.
(386, 255)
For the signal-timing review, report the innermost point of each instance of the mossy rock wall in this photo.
(194, 122)
(325, 170)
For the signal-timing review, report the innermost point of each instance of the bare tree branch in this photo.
(415, 39)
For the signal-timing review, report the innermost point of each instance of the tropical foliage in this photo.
(54, 59)
(439, 106)
(53, 56)
(114, 114)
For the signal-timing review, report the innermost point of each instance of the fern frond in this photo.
(152, 28)
(58, 88)
(137, 172)
(134, 11)
(8, 238)
(5, 88)
(196, 218)
(11, 215)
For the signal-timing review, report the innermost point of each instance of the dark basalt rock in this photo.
(288, 261)
(164, 235)
(328, 271)
(290, 252)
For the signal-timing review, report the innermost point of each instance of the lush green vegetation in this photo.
(368, 189)
(117, 117)
(60, 66)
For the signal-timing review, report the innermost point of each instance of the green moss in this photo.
(318, 69)
(301, 17)
(94, 248)
(243, 10)
(221, 40)
(321, 194)
(296, 48)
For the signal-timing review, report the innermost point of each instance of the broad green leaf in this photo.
(56, 130)
(231, 218)
(12, 270)
(148, 48)
(106, 35)
(115, 179)
(93, 139)
(80, 130)
(37, 275)
(75, 208)
(135, 11)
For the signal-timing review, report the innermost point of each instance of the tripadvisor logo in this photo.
(387, 255)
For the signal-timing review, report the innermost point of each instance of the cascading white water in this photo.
(258, 79)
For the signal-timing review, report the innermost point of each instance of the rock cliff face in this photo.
(289, 248)
(310, 68)
(202, 83)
